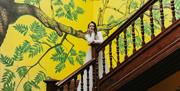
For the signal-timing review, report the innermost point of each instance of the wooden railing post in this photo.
(95, 66)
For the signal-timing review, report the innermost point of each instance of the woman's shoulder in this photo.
(99, 32)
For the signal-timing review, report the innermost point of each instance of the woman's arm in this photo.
(89, 38)
(100, 38)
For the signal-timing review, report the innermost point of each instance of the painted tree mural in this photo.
(11, 11)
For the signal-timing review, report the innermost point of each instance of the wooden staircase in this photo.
(154, 61)
(157, 59)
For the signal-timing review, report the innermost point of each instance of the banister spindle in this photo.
(161, 15)
(68, 84)
(103, 62)
(95, 75)
(110, 55)
(133, 38)
(75, 80)
(151, 22)
(117, 49)
(125, 44)
(142, 29)
(95, 67)
(62, 88)
(88, 79)
(82, 83)
(173, 11)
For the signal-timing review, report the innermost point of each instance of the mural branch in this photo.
(11, 14)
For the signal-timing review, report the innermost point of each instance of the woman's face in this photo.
(91, 26)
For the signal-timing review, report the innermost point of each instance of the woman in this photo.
(92, 36)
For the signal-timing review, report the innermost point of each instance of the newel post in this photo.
(95, 67)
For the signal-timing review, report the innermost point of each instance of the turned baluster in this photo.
(133, 38)
(161, 15)
(110, 55)
(68, 84)
(142, 29)
(117, 50)
(62, 88)
(95, 67)
(173, 11)
(103, 58)
(125, 44)
(88, 79)
(82, 83)
(151, 22)
(75, 86)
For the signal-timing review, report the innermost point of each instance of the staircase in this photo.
(150, 63)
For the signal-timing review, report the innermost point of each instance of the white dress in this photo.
(90, 39)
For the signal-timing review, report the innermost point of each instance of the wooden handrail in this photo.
(128, 22)
(78, 71)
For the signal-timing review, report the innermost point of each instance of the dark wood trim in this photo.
(154, 51)
(160, 71)
(50, 85)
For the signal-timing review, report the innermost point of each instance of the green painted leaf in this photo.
(134, 4)
(32, 2)
(79, 60)
(25, 46)
(34, 84)
(177, 4)
(57, 2)
(60, 67)
(8, 76)
(35, 49)
(27, 86)
(60, 12)
(18, 55)
(111, 19)
(56, 57)
(35, 38)
(59, 57)
(52, 38)
(20, 50)
(71, 60)
(9, 86)
(69, 15)
(67, 7)
(79, 10)
(59, 49)
(72, 52)
(7, 61)
(40, 77)
(82, 54)
(22, 71)
(38, 29)
(21, 28)
(71, 3)
(75, 15)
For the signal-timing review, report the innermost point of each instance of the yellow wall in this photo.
(91, 12)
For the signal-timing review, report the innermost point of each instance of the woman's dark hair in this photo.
(95, 27)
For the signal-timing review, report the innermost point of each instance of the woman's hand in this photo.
(89, 31)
